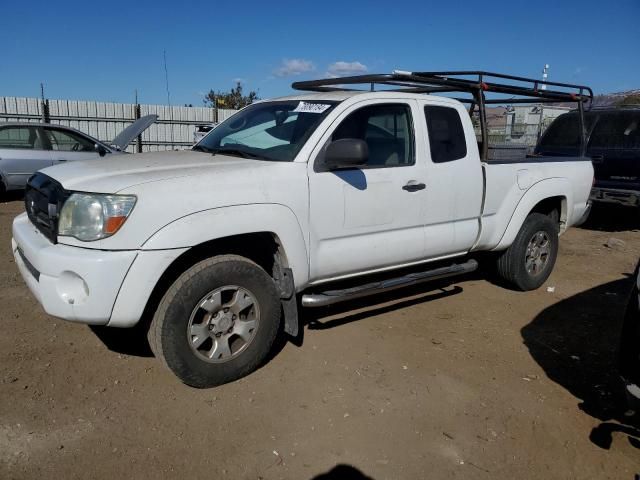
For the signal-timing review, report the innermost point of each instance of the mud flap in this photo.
(289, 302)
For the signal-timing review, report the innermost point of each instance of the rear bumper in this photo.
(585, 214)
(618, 196)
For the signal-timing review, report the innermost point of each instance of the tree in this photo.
(234, 99)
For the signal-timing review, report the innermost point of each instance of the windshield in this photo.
(268, 131)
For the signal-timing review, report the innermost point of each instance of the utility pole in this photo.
(137, 115)
(44, 105)
(215, 108)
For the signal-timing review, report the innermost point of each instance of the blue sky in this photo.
(105, 50)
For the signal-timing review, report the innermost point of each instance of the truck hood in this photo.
(112, 174)
(175, 185)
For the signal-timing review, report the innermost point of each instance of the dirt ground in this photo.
(467, 380)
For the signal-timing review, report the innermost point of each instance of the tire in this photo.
(518, 265)
(198, 330)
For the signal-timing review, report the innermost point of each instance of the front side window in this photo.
(20, 138)
(269, 131)
(446, 135)
(65, 141)
(388, 131)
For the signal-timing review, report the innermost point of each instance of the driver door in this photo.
(69, 146)
(371, 217)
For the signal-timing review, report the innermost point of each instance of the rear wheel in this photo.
(529, 261)
(217, 322)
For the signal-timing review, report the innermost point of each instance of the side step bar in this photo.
(334, 296)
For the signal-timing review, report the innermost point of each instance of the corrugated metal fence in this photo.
(104, 120)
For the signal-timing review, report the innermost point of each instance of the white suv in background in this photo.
(201, 130)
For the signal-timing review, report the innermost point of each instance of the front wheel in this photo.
(217, 322)
(528, 262)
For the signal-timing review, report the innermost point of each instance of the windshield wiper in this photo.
(236, 152)
(200, 148)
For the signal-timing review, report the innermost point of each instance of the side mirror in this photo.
(100, 149)
(346, 153)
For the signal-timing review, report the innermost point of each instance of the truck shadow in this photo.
(612, 218)
(126, 341)
(342, 472)
(576, 342)
(323, 318)
(352, 311)
(133, 341)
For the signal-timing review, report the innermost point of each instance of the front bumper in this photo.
(629, 198)
(85, 285)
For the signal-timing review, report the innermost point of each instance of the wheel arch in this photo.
(554, 207)
(246, 230)
(263, 248)
(232, 228)
(546, 197)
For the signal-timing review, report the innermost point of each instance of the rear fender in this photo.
(551, 187)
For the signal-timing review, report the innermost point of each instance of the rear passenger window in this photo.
(20, 138)
(446, 136)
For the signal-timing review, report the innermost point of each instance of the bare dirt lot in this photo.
(467, 380)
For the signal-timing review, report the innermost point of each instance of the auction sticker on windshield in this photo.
(304, 107)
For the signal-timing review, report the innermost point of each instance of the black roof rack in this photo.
(467, 81)
(475, 83)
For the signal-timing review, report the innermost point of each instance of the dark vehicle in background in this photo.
(613, 143)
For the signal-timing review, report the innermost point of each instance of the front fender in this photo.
(550, 187)
(217, 223)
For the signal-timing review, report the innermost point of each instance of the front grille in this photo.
(43, 200)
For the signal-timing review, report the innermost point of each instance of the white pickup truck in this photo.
(220, 245)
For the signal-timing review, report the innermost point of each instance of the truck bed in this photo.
(509, 182)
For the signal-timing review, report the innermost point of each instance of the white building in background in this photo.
(524, 123)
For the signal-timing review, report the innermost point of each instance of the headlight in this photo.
(92, 216)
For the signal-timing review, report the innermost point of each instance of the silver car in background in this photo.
(28, 147)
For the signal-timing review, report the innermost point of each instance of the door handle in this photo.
(414, 186)
(62, 160)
